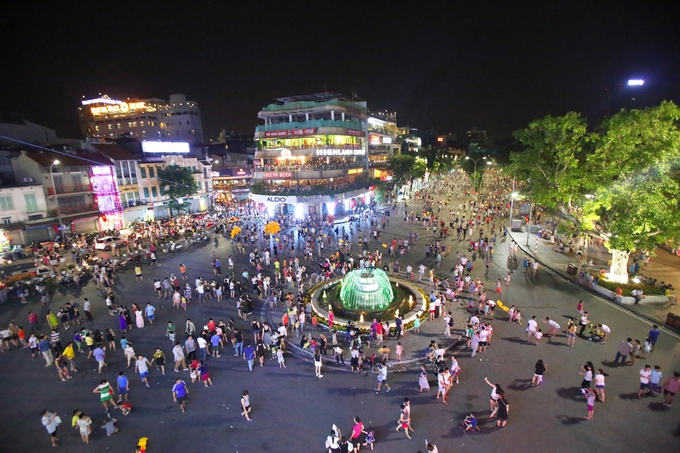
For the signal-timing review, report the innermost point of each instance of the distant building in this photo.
(311, 155)
(176, 120)
(15, 126)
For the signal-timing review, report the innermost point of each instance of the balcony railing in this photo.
(309, 124)
(310, 167)
(77, 209)
(69, 189)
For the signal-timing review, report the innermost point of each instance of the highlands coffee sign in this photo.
(290, 199)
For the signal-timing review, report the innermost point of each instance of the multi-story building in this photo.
(311, 155)
(382, 142)
(151, 187)
(22, 212)
(82, 193)
(127, 168)
(176, 120)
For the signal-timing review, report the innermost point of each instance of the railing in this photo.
(69, 189)
(310, 167)
(320, 189)
(310, 124)
(69, 210)
(303, 147)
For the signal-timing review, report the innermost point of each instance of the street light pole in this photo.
(56, 200)
(513, 195)
(474, 181)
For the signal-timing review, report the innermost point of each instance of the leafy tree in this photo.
(401, 167)
(177, 182)
(419, 168)
(616, 183)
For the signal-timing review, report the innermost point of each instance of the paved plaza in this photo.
(293, 411)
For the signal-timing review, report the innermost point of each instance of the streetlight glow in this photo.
(635, 82)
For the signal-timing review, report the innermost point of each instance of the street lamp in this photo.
(474, 181)
(56, 200)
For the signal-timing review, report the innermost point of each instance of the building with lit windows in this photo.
(382, 142)
(176, 120)
(156, 157)
(311, 155)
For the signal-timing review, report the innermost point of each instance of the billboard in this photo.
(165, 147)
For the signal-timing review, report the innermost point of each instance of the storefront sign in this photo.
(291, 132)
(277, 175)
(354, 133)
(121, 107)
(339, 152)
(374, 139)
(291, 199)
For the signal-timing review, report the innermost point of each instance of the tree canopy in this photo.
(177, 182)
(616, 182)
(401, 166)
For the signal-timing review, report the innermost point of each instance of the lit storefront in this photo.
(231, 183)
(107, 197)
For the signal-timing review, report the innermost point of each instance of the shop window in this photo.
(151, 173)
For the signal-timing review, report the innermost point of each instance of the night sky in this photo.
(493, 65)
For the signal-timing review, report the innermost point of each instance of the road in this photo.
(293, 411)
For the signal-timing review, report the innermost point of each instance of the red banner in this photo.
(277, 175)
(354, 133)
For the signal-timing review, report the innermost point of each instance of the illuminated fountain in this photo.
(364, 290)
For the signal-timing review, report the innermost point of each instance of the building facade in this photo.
(22, 208)
(175, 120)
(382, 142)
(311, 154)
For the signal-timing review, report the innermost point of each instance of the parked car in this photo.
(108, 243)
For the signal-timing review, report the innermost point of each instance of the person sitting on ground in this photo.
(470, 423)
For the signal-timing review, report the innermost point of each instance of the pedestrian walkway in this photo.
(664, 268)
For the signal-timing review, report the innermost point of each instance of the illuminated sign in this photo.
(273, 198)
(440, 139)
(387, 140)
(285, 153)
(241, 172)
(114, 107)
(340, 152)
(293, 132)
(215, 174)
(101, 101)
(635, 82)
(107, 197)
(374, 139)
(354, 133)
(354, 171)
(278, 175)
(165, 147)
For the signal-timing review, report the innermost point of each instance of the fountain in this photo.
(366, 289)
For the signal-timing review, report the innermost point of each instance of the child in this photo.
(125, 408)
(646, 349)
(370, 438)
(590, 395)
(398, 350)
(110, 426)
(193, 370)
(78, 340)
(422, 380)
(470, 423)
(279, 356)
(537, 337)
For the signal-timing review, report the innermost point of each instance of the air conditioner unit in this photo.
(27, 180)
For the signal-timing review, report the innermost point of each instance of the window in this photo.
(146, 192)
(188, 123)
(180, 123)
(141, 123)
(162, 189)
(31, 202)
(110, 126)
(158, 169)
(134, 124)
(130, 124)
(6, 203)
(151, 173)
(118, 125)
(142, 171)
(7, 220)
(154, 192)
(96, 128)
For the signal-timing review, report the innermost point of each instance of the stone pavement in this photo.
(664, 268)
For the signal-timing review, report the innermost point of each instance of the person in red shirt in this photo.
(33, 321)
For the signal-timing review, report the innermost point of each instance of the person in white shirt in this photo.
(554, 327)
(531, 329)
(645, 374)
(604, 328)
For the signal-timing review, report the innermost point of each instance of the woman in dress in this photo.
(422, 380)
(128, 318)
(122, 321)
(357, 433)
(139, 318)
(84, 423)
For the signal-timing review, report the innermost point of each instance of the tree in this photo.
(401, 167)
(177, 182)
(633, 202)
(419, 168)
(615, 183)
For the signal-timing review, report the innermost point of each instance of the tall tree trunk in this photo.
(618, 272)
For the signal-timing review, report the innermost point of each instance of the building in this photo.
(15, 126)
(127, 168)
(80, 187)
(151, 187)
(311, 155)
(22, 212)
(382, 142)
(176, 120)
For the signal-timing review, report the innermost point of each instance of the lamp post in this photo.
(56, 200)
(474, 181)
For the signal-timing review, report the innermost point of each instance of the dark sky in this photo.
(447, 65)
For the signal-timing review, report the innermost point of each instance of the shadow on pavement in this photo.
(629, 396)
(515, 340)
(572, 393)
(609, 364)
(520, 384)
(567, 420)
(658, 406)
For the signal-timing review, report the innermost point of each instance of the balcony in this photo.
(260, 131)
(65, 211)
(69, 189)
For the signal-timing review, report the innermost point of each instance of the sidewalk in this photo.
(664, 268)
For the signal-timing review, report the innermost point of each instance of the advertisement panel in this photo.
(165, 147)
(288, 199)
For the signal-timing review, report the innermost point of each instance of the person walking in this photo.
(599, 384)
(178, 357)
(142, 365)
(625, 348)
(123, 385)
(670, 388)
(46, 349)
(403, 420)
(179, 393)
(84, 426)
(317, 363)
(382, 379)
(249, 355)
(106, 393)
(493, 399)
(245, 405)
(645, 386)
(503, 410)
(51, 421)
(422, 380)
(587, 374)
(539, 369)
